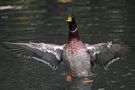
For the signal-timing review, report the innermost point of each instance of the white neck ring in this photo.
(73, 30)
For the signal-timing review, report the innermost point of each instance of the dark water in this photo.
(44, 21)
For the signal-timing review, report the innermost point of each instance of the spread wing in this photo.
(49, 54)
(106, 53)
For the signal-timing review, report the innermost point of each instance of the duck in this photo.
(77, 57)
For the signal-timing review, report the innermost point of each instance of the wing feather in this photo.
(49, 54)
(105, 54)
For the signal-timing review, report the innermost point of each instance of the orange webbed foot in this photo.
(69, 77)
(87, 81)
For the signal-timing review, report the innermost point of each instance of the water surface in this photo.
(44, 21)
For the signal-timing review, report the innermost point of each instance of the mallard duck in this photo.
(77, 57)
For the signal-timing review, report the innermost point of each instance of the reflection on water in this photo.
(64, 1)
(78, 85)
(44, 21)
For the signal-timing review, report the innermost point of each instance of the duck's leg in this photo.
(69, 77)
(87, 80)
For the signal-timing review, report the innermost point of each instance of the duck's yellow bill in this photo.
(69, 19)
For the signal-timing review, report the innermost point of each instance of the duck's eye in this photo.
(69, 19)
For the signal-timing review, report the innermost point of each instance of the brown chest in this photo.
(74, 46)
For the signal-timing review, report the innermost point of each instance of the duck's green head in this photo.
(71, 22)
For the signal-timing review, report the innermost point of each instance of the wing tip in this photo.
(8, 43)
(125, 50)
